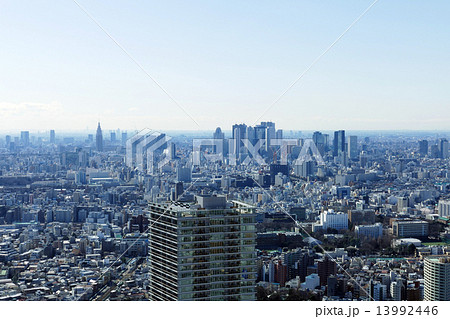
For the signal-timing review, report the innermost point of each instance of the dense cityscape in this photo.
(249, 213)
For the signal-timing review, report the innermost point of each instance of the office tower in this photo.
(124, 138)
(437, 278)
(52, 136)
(260, 132)
(238, 133)
(279, 134)
(83, 158)
(423, 147)
(339, 142)
(99, 139)
(270, 133)
(25, 138)
(112, 137)
(319, 140)
(435, 152)
(265, 131)
(352, 147)
(325, 268)
(7, 140)
(172, 150)
(202, 251)
(443, 148)
(218, 134)
(250, 134)
(326, 138)
(236, 141)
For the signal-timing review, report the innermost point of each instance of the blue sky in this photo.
(225, 62)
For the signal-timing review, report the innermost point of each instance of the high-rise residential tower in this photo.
(437, 278)
(202, 251)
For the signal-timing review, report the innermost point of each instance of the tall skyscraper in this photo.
(7, 140)
(202, 251)
(172, 150)
(238, 133)
(218, 134)
(99, 139)
(260, 132)
(319, 140)
(423, 147)
(339, 142)
(443, 148)
(434, 151)
(270, 133)
(250, 134)
(113, 137)
(52, 136)
(437, 278)
(279, 134)
(124, 138)
(25, 138)
(352, 147)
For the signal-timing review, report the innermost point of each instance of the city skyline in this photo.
(222, 62)
(116, 218)
(226, 151)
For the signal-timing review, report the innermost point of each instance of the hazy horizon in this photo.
(287, 132)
